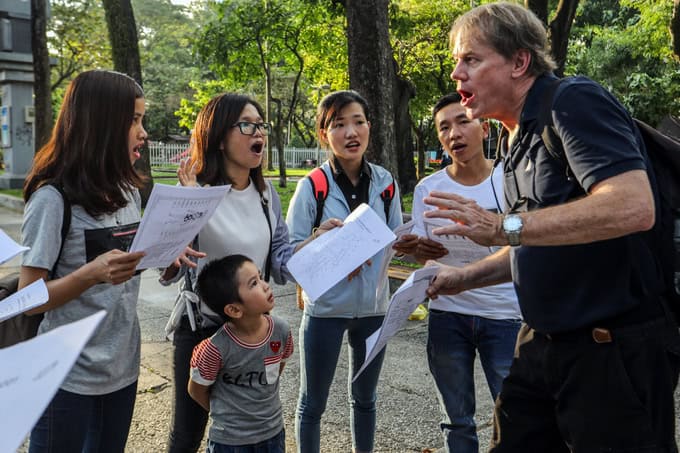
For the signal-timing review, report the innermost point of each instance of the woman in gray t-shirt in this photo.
(89, 157)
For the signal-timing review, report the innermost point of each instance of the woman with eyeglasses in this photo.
(228, 146)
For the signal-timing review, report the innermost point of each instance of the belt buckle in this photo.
(602, 335)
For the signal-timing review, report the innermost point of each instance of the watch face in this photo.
(512, 223)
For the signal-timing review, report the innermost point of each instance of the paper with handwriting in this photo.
(403, 302)
(325, 261)
(23, 300)
(173, 217)
(462, 250)
(390, 252)
(32, 373)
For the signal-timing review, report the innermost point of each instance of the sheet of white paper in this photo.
(173, 217)
(332, 256)
(403, 229)
(389, 252)
(32, 372)
(26, 298)
(403, 302)
(8, 248)
(462, 251)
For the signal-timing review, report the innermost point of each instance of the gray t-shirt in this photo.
(244, 398)
(110, 360)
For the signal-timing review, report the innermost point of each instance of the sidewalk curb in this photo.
(16, 204)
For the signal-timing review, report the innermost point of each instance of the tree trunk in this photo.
(280, 141)
(41, 74)
(403, 92)
(675, 28)
(421, 131)
(539, 7)
(559, 30)
(120, 20)
(371, 73)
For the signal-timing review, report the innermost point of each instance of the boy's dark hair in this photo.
(217, 283)
(448, 99)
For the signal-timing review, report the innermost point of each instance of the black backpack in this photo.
(664, 154)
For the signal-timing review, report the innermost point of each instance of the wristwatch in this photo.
(512, 227)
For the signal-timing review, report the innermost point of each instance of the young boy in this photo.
(235, 373)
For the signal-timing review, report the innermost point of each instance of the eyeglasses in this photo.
(248, 128)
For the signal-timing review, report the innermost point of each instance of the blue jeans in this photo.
(452, 342)
(320, 342)
(85, 423)
(276, 444)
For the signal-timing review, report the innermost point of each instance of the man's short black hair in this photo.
(217, 283)
(451, 98)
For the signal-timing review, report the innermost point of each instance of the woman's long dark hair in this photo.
(212, 125)
(88, 153)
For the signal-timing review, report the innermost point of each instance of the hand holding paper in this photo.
(403, 302)
(331, 257)
(173, 217)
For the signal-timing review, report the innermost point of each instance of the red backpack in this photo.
(319, 182)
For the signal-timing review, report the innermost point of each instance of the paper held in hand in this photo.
(38, 367)
(325, 261)
(403, 302)
(8, 248)
(173, 217)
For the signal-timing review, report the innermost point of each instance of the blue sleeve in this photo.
(282, 249)
(301, 212)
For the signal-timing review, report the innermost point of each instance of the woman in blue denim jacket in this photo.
(358, 303)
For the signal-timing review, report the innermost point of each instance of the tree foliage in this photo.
(166, 32)
(626, 45)
(299, 50)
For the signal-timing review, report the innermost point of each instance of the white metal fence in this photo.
(169, 155)
(166, 154)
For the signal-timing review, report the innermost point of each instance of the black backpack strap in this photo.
(387, 195)
(319, 181)
(552, 141)
(65, 225)
(268, 264)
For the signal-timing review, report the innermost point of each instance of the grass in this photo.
(19, 193)
(168, 176)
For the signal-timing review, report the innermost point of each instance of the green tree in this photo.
(250, 51)
(627, 47)
(74, 34)
(420, 31)
(166, 32)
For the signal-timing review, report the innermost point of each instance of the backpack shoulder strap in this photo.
(387, 195)
(319, 182)
(552, 141)
(65, 224)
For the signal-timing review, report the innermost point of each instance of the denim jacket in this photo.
(347, 299)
